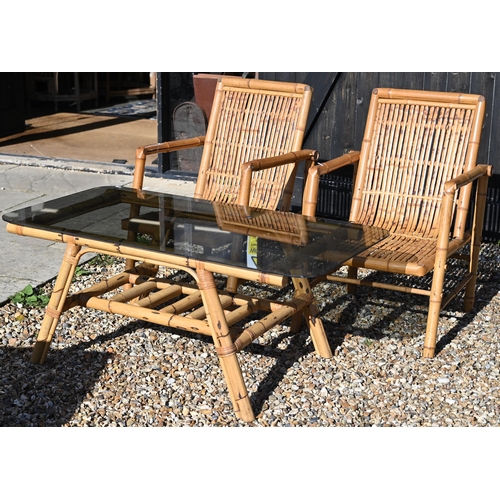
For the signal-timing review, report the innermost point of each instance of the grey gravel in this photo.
(109, 371)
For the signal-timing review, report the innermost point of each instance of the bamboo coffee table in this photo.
(200, 238)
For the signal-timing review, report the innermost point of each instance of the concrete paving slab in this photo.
(29, 260)
(25, 263)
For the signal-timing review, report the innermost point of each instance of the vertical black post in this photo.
(163, 117)
(12, 104)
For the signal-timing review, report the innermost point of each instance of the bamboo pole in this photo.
(436, 294)
(183, 305)
(157, 298)
(201, 313)
(224, 346)
(481, 194)
(313, 319)
(151, 315)
(56, 303)
(122, 249)
(259, 328)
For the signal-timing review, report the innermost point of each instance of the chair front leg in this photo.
(436, 295)
(435, 301)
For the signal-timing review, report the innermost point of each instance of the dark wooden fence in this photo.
(341, 100)
(337, 119)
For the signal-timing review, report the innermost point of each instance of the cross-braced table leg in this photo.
(224, 345)
(56, 303)
(313, 321)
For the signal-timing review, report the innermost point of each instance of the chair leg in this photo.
(56, 303)
(232, 284)
(470, 288)
(477, 229)
(236, 250)
(296, 322)
(132, 236)
(431, 332)
(435, 301)
(352, 273)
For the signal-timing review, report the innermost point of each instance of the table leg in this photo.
(313, 320)
(56, 303)
(224, 345)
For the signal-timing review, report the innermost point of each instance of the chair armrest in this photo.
(481, 172)
(247, 169)
(163, 147)
(451, 186)
(310, 196)
(167, 147)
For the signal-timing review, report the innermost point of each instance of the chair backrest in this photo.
(285, 227)
(253, 119)
(414, 142)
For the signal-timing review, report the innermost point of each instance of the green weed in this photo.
(82, 272)
(31, 297)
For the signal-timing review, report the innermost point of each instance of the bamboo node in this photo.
(52, 312)
(70, 259)
(225, 351)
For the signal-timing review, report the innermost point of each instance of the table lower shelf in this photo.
(198, 307)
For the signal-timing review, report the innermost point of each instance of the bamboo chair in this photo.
(252, 146)
(414, 176)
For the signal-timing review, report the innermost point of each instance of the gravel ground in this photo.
(109, 371)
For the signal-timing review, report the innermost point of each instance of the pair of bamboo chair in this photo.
(414, 175)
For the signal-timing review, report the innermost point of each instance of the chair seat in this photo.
(411, 255)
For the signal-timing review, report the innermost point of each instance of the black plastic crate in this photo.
(335, 194)
(491, 228)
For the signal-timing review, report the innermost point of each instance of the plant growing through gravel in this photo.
(145, 238)
(30, 296)
(81, 272)
(104, 259)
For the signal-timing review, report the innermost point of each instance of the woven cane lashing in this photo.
(414, 148)
(251, 125)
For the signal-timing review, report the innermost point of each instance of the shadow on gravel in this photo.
(488, 286)
(397, 304)
(48, 395)
(299, 345)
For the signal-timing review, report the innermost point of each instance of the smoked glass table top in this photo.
(274, 242)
